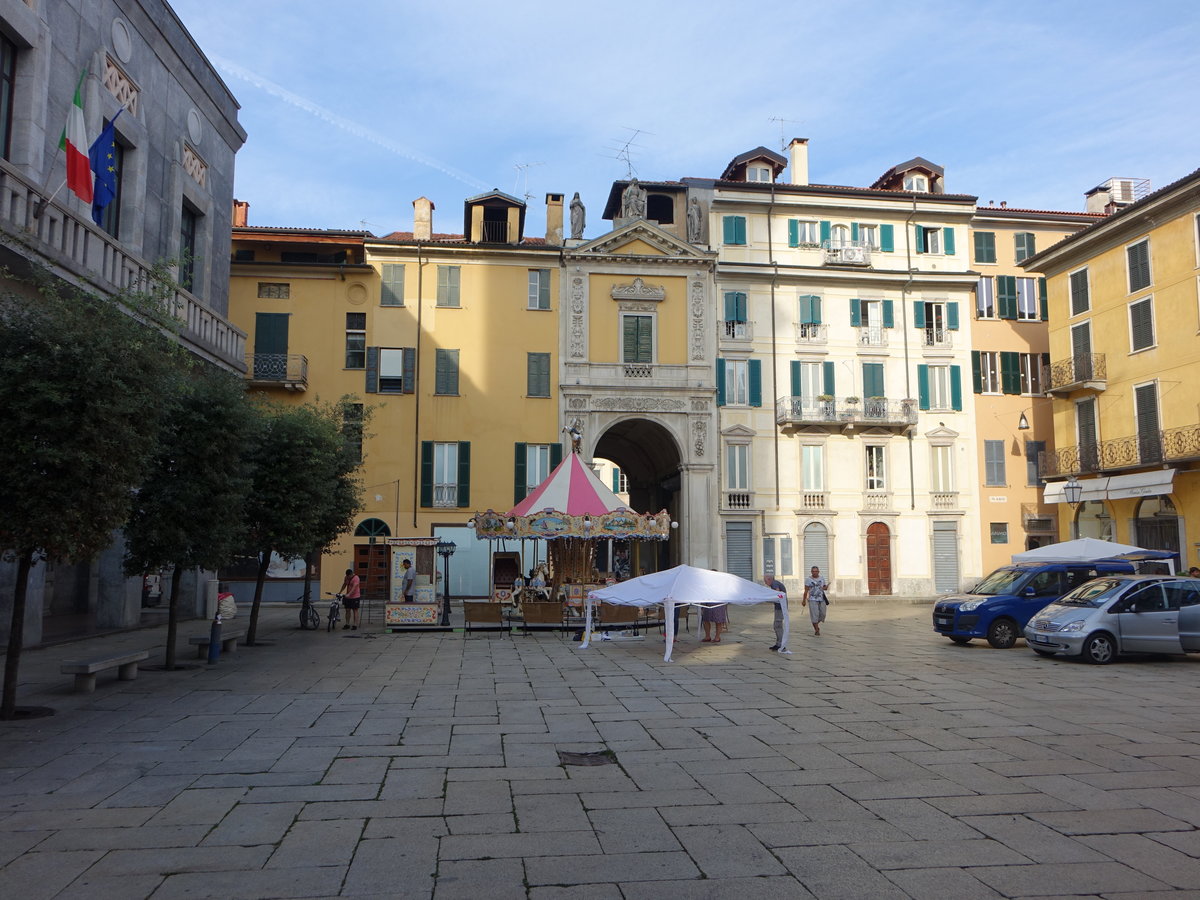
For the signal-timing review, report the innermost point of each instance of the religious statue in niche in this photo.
(633, 201)
(578, 217)
(695, 221)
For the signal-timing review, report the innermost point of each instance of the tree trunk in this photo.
(252, 627)
(173, 618)
(308, 558)
(16, 637)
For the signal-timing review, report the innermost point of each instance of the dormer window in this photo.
(758, 173)
(916, 183)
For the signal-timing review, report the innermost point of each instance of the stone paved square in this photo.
(878, 761)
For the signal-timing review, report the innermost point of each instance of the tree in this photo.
(298, 463)
(80, 398)
(188, 509)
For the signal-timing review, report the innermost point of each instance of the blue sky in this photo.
(355, 109)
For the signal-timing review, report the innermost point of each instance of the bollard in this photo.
(214, 640)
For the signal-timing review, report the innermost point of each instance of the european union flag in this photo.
(103, 155)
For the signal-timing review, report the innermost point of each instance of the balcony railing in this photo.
(807, 333)
(877, 500)
(495, 232)
(814, 500)
(1084, 371)
(289, 370)
(1181, 443)
(841, 411)
(445, 495)
(941, 338)
(64, 240)
(872, 336)
(1122, 453)
(638, 370)
(738, 331)
(944, 499)
(737, 500)
(847, 253)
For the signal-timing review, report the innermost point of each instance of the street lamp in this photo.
(1022, 423)
(445, 550)
(1072, 492)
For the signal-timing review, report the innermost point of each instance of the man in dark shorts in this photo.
(351, 599)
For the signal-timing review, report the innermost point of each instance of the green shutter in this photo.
(828, 378)
(855, 312)
(793, 232)
(720, 382)
(887, 238)
(816, 310)
(464, 474)
(755, 368)
(919, 238)
(795, 378)
(919, 313)
(1042, 299)
(544, 288)
(889, 320)
(409, 370)
(923, 387)
(519, 467)
(271, 333)
(1010, 372)
(729, 229)
(739, 307)
(952, 315)
(956, 388)
(872, 374)
(985, 247)
(372, 386)
(730, 306)
(740, 225)
(427, 473)
(616, 480)
(826, 229)
(948, 241)
(555, 456)
(854, 231)
(392, 286)
(976, 372)
(1006, 296)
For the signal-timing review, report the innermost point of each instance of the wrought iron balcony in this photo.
(873, 336)
(737, 331)
(807, 333)
(1082, 372)
(847, 253)
(845, 412)
(73, 247)
(1114, 455)
(1180, 444)
(937, 338)
(286, 370)
(638, 370)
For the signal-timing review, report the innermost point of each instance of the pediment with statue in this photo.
(640, 238)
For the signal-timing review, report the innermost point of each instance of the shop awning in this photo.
(1093, 489)
(1141, 484)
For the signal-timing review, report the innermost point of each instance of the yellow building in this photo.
(451, 339)
(1125, 364)
(1011, 344)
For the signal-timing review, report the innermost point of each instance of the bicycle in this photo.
(335, 609)
(310, 619)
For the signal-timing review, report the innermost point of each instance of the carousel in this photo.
(575, 515)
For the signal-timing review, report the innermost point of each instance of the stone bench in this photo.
(85, 670)
(229, 639)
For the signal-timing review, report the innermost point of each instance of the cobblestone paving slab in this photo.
(878, 761)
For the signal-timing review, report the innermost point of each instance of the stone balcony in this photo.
(845, 414)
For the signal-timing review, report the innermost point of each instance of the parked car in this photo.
(1118, 614)
(1002, 604)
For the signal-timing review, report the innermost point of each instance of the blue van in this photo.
(1000, 606)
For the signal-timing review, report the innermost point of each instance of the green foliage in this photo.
(81, 400)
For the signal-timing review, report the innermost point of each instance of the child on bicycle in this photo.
(352, 592)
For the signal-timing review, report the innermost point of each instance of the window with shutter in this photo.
(734, 229)
(985, 246)
(392, 287)
(539, 289)
(993, 464)
(985, 298)
(1141, 325)
(1138, 258)
(446, 373)
(392, 370)
(445, 474)
(1085, 426)
(887, 238)
(1145, 401)
(1033, 455)
(1024, 245)
(1080, 302)
(447, 286)
(637, 339)
(538, 375)
(1006, 296)
(1027, 300)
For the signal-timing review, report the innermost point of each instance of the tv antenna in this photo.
(522, 179)
(782, 134)
(623, 152)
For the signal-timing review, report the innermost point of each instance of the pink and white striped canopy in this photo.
(572, 488)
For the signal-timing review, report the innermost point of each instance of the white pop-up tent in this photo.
(683, 585)
(1088, 550)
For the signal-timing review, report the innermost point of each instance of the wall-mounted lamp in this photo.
(1072, 492)
(1023, 422)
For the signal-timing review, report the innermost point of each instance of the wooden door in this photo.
(879, 559)
(371, 563)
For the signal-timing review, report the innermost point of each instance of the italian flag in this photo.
(75, 144)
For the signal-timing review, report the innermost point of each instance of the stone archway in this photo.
(649, 459)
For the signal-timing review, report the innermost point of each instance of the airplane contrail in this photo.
(343, 123)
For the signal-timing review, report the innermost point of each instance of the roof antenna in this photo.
(782, 135)
(624, 151)
(523, 174)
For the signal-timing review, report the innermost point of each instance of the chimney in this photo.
(423, 219)
(798, 153)
(241, 213)
(554, 219)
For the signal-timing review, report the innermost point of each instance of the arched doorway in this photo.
(1093, 520)
(1156, 525)
(879, 559)
(649, 462)
(816, 550)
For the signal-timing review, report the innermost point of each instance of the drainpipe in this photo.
(912, 484)
(774, 348)
(417, 391)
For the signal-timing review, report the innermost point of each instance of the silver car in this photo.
(1118, 614)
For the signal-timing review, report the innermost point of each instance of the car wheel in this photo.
(959, 640)
(1100, 648)
(1043, 652)
(1003, 634)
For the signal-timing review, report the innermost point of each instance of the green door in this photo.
(270, 345)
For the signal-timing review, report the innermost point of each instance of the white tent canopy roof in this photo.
(1086, 550)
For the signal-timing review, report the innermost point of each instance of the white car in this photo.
(1118, 614)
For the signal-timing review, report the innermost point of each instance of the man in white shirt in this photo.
(816, 590)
